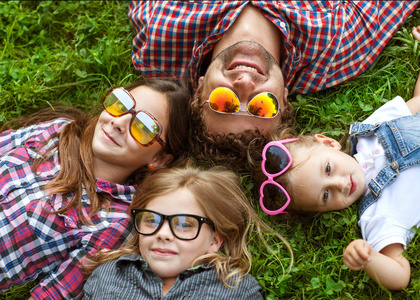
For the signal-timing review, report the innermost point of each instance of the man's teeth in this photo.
(246, 67)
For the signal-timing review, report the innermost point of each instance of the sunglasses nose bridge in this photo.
(132, 112)
(133, 115)
(244, 112)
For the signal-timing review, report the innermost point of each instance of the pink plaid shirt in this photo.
(326, 42)
(35, 244)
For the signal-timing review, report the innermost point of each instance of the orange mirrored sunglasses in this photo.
(224, 101)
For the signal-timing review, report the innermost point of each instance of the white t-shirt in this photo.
(390, 219)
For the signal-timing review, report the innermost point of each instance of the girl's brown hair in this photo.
(218, 192)
(75, 143)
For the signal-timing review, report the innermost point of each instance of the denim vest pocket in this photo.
(406, 131)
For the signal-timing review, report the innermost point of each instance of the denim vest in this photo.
(400, 139)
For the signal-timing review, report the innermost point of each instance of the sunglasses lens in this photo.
(223, 100)
(144, 128)
(274, 197)
(276, 160)
(118, 102)
(264, 105)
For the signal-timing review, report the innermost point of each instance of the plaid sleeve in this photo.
(67, 281)
(6, 138)
(167, 32)
(12, 139)
(329, 42)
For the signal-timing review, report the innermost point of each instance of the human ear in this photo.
(199, 87)
(161, 159)
(215, 244)
(285, 94)
(326, 141)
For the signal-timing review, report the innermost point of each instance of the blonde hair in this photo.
(218, 192)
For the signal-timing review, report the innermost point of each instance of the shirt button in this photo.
(377, 151)
(364, 166)
(282, 25)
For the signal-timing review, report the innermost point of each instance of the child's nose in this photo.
(165, 232)
(339, 183)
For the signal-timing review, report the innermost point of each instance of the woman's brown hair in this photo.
(75, 143)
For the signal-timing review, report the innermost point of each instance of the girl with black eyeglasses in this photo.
(192, 227)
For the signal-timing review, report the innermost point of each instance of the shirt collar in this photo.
(136, 258)
(117, 191)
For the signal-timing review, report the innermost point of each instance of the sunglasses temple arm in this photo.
(162, 143)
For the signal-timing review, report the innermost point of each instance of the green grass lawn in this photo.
(74, 51)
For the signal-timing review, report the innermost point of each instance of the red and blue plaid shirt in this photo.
(34, 244)
(326, 42)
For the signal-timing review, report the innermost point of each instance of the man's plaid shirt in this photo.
(326, 42)
(35, 244)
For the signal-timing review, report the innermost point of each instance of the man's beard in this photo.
(246, 47)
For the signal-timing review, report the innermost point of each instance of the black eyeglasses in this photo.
(183, 226)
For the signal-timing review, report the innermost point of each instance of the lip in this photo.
(162, 252)
(353, 185)
(109, 138)
(245, 63)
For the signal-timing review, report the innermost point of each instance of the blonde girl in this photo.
(203, 256)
